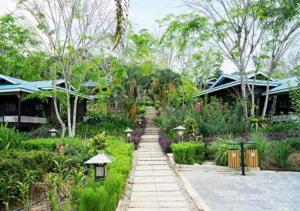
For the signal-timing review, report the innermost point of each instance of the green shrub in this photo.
(49, 144)
(16, 162)
(9, 138)
(141, 109)
(279, 153)
(105, 195)
(218, 150)
(294, 142)
(114, 125)
(188, 152)
(213, 118)
(99, 141)
(283, 127)
(261, 144)
(157, 105)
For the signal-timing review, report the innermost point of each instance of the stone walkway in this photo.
(155, 186)
(259, 191)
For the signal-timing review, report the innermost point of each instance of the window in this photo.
(10, 107)
(39, 107)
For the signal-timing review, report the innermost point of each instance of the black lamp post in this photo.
(242, 144)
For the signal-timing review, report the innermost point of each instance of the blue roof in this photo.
(285, 85)
(276, 86)
(17, 84)
(45, 84)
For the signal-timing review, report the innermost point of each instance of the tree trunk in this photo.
(74, 116)
(253, 95)
(244, 94)
(61, 122)
(69, 110)
(266, 103)
(266, 98)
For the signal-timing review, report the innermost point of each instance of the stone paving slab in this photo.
(259, 191)
(154, 184)
(157, 209)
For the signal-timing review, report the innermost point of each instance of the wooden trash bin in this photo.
(234, 158)
(251, 158)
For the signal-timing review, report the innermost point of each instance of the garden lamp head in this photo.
(180, 130)
(99, 162)
(128, 132)
(53, 132)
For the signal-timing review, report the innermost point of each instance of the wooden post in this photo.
(19, 110)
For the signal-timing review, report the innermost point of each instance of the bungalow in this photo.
(25, 114)
(228, 87)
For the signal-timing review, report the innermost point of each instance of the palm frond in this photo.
(122, 7)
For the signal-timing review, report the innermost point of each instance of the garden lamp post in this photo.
(53, 132)
(180, 131)
(242, 146)
(128, 132)
(140, 122)
(99, 162)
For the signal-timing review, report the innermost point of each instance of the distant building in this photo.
(25, 114)
(228, 88)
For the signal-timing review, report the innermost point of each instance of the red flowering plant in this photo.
(198, 106)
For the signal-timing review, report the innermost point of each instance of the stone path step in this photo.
(155, 185)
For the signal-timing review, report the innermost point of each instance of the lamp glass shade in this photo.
(180, 132)
(100, 172)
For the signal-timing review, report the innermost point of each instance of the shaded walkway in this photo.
(155, 185)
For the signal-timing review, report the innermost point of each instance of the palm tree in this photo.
(164, 82)
(122, 7)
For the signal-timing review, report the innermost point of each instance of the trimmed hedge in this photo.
(188, 152)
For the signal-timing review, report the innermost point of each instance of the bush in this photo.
(283, 127)
(218, 150)
(114, 125)
(188, 152)
(49, 144)
(294, 142)
(141, 109)
(212, 118)
(157, 105)
(99, 141)
(105, 195)
(279, 153)
(165, 143)
(261, 144)
(10, 138)
(136, 137)
(15, 162)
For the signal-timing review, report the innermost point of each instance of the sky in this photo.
(142, 14)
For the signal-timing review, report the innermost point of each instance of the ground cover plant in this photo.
(53, 168)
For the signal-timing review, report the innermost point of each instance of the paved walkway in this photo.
(259, 191)
(155, 184)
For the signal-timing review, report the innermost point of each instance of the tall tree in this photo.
(16, 56)
(281, 33)
(234, 27)
(69, 31)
